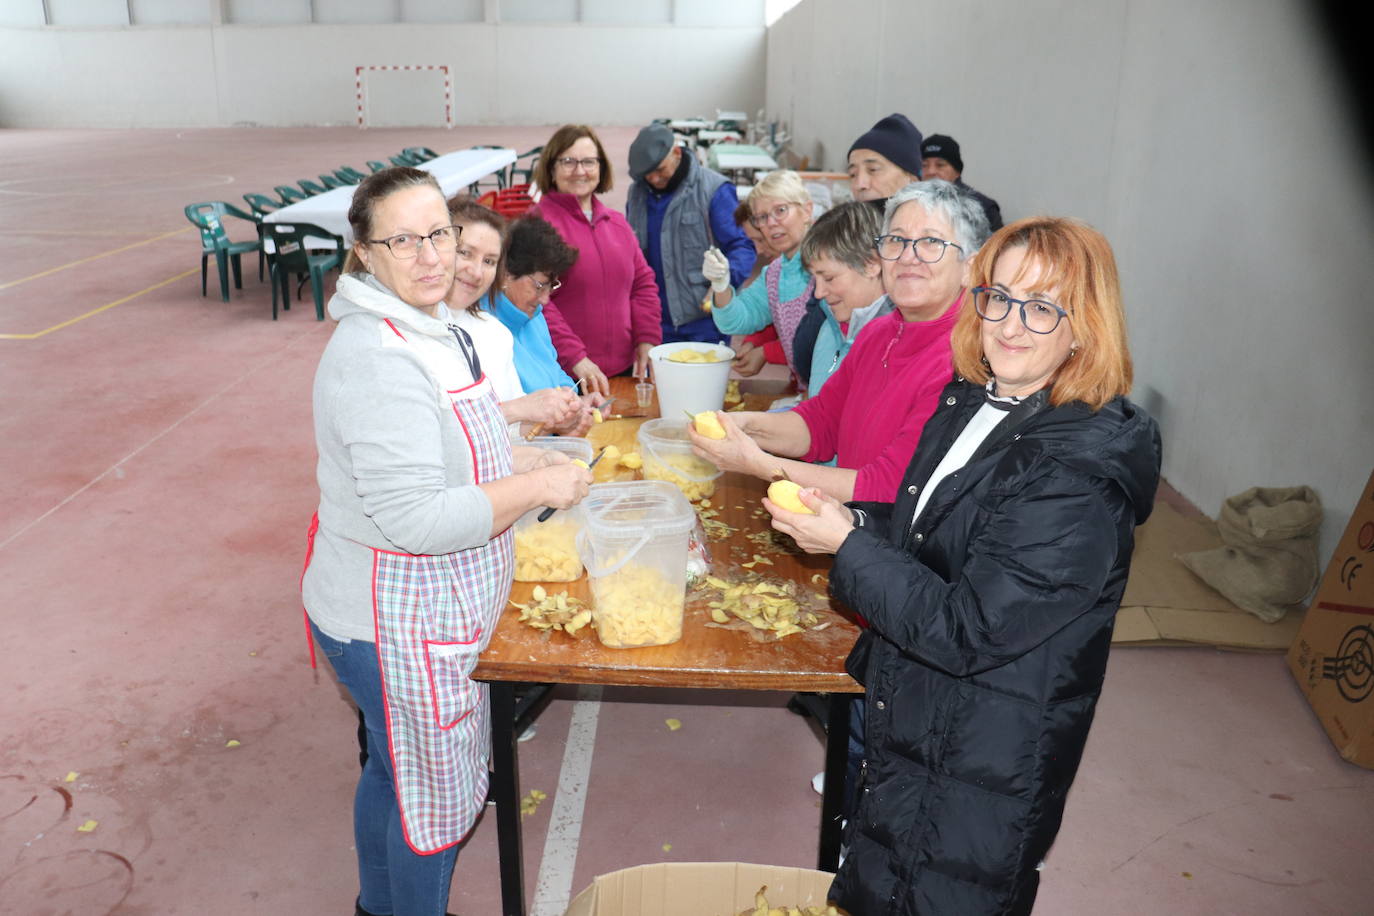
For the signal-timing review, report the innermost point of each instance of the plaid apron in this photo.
(786, 315)
(434, 615)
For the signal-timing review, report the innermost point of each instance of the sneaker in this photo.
(818, 782)
(527, 734)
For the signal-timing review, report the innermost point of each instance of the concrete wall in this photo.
(206, 74)
(1207, 141)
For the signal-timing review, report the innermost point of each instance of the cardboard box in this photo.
(1333, 656)
(698, 889)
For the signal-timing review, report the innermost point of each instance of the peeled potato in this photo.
(708, 424)
(579, 462)
(631, 460)
(693, 356)
(787, 495)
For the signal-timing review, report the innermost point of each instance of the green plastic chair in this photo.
(309, 187)
(401, 160)
(375, 165)
(349, 175)
(260, 205)
(289, 195)
(292, 255)
(330, 181)
(526, 171)
(208, 217)
(419, 154)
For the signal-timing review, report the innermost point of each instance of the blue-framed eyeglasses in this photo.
(1037, 315)
(928, 249)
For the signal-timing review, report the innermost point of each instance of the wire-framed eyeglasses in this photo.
(1038, 315)
(928, 249)
(568, 164)
(407, 245)
(552, 286)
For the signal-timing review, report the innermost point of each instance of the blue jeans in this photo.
(393, 879)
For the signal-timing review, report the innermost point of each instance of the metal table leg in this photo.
(505, 791)
(836, 760)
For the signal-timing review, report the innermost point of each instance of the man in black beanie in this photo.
(940, 159)
(885, 160)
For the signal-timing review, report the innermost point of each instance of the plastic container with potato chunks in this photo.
(634, 545)
(547, 551)
(667, 455)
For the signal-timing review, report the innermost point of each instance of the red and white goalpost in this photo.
(403, 95)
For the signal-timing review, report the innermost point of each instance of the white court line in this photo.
(554, 887)
(118, 466)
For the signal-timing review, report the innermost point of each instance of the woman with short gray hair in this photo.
(870, 415)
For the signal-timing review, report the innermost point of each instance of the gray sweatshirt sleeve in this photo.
(410, 461)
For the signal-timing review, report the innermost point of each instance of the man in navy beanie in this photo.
(940, 158)
(885, 160)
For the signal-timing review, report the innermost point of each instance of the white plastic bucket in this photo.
(692, 387)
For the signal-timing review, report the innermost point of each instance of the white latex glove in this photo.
(716, 268)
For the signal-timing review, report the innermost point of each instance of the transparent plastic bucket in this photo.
(692, 387)
(634, 545)
(667, 455)
(547, 551)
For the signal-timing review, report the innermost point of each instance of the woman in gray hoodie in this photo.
(411, 558)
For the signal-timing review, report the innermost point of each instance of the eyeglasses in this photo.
(568, 164)
(539, 288)
(779, 213)
(405, 246)
(927, 250)
(1037, 315)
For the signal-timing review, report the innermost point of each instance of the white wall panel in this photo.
(267, 12)
(170, 12)
(1175, 128)
(734, 14)
(88, 12)
(627, 12)
(538, 10)
(356, 12)
(426, 11)
(21, 12)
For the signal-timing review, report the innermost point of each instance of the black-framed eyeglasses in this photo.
(1039, 316)
(539, 288)
(568, 163)
(928, 249)
(405, 246)
(779, 213)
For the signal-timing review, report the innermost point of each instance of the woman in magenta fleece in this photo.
(604, 318)
(870, 414)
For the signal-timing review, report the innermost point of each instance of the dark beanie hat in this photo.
(939, 146)
(897, 139)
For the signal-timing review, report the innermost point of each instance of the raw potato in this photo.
(732, 395)
(708, 424)
(688, 355)
(637, 606)
(785, 494)
(547, 551)
(761, 908)
(632, 461)
(690, 464)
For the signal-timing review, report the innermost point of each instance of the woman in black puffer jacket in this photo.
(990, 584)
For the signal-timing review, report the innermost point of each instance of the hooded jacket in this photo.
(990, 621)
(833, 342)
(395, 469)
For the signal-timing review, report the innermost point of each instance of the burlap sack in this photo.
(1269, 561)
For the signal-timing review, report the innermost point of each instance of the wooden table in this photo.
(705, 657)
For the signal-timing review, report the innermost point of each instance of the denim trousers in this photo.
(393, 879)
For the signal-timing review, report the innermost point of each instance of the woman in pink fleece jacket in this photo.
(604, 317)
(870, 414)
